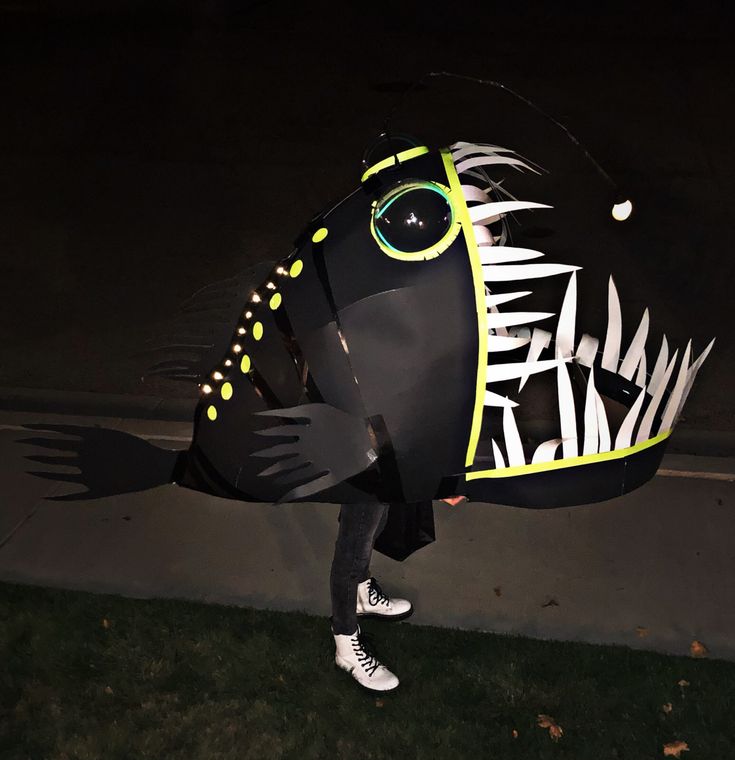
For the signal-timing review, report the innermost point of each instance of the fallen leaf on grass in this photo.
(641, 632)
(105, 623)
(698, 649)
(498, 591)
(674, 749)
(551, 603)
(514, 734)
(683, 683)
(108, 690)
(667, 708)
(379, 702)
(555, 730)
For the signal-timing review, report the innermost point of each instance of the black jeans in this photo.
(359, 526)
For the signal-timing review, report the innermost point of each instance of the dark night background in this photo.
(151, 148)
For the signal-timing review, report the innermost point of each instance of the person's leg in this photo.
(359, 526)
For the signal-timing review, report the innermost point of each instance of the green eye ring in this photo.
(433, 231)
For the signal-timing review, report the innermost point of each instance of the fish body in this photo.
(382, 359)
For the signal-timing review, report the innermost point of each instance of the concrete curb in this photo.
(689, 441)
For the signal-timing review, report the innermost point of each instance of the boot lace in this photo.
(364, 652)
(375, 594)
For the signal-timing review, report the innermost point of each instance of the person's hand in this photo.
(454, 500)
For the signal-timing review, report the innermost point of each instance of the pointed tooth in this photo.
(496, 299)
(513, 445)
(611, 351)
(640, 375)
(672, 407)
(508, 272)
(566, 412)
(506, 254)
(540, 339)
(482, 213)
(591, 436)
(644, 432)
(496, 400)
(587, 350)
(508, 318)
(488, 160)
(625, 433)
(660, 367)
(474, 193)
(567, 318)
(498, 372)
(546, 451)
(505, 343)
(636, 348)
(498, 456)
(692, 374)
(603, 428)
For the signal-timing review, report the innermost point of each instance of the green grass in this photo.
(170, 679)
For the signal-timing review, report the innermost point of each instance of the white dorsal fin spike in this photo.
(611, 351)
(672, 407)
(644, 432)
(636, 349)
(494, 159)
(498, 372)
(591, 435)
(482, 213)
(474, 193)
(622, 440)
(513, 445)
(496, 299)
(510, 272)
(603, 427)
(567, 318)
(505, 254)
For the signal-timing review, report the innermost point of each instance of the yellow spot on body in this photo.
(226, 391)
(212, 413)
(258, 330)
(275, 302)
(245, 364)
(319, 235)
(296, 268)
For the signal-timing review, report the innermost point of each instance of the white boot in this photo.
(372, 602)
(352, 656)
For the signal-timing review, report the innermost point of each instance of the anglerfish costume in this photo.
(384, 358)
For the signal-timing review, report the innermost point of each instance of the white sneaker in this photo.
(372, 602)
(355, 658)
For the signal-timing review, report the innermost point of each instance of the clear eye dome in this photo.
(413, 218)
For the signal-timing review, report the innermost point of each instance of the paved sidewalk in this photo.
(654, 569)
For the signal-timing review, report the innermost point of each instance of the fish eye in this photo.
(414, 221)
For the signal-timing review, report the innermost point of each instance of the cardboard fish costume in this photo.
(384, 358)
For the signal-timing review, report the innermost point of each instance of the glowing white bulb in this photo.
(621, 211)
(228, 362)
(206, 388)
(270, 286)
(281, 270)
(248, 314)
(217, 375)
(237, 348)
(241, 331)
(256, 298)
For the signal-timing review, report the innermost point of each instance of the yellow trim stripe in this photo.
(463, 214)
(404, 155)
(558, 464)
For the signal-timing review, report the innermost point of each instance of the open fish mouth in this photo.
(512, 349)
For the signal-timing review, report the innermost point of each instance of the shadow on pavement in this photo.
(107, 462)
